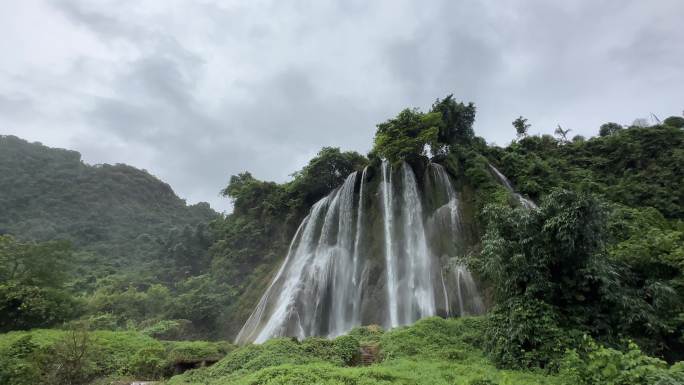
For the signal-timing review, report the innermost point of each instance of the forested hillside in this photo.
(585, 287)
(116, 211)
(82, 241)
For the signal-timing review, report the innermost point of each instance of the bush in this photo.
(675, 121)
(17, 366)
(346, 348)
(149, 363)
(167, 329)
(71, 360)
(322, 348)
(25, 306)
(197, 350)
(524, 333)
(274, 352)
(595, 364)
(367, 334)
(433, 337)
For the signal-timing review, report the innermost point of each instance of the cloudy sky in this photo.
(194, 91)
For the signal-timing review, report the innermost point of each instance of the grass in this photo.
(432, 351)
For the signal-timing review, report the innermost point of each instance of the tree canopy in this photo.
(414, 133)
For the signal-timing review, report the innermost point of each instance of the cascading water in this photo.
(465, 293)
(364, 255)
(416, 287)
(390, 260)
(528, 204)
(358, 268)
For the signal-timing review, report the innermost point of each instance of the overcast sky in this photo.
(194, 91)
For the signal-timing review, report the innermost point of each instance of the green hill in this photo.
(117, 211)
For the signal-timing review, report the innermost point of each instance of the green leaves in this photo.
(549, 275)
(32, 277)
(595, 364)
(414, 133)
(41, 264)
(525, 333)
(407, 136)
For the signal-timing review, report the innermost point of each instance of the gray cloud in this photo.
(197, 91)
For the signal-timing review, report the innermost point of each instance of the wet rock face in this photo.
(381, 249)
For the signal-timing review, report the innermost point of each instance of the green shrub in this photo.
(27, 306)
(322, 348)
(167, 329)
(367, 334)
(595, 364)
(71, 360)
(433, 337)
(197, 350)
(346, 348)
(17, 366)
(149, 363)
(102, 321)
(104, 353)
(273, 352)
(524, 333)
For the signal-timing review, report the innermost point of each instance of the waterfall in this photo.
(526, 203)
(275, 305)
(390, 260)
(417, 283)
(452, 203)
(358, 271)
(467, 298)
(364, 255)
(343, 268)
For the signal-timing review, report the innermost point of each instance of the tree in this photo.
(71, 359)
(457, 119)
(562, 134)
(41, 264)
(325, 172)
(547, 264)
(675, 121)
(185, 252)
(609, 128)
(521, 126)
(25, 306)
(32, 277)
(409, 134)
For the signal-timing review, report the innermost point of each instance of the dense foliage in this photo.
(77, 356)
(116, 211)
(32, 284)
(414, 134)
(586, 288)
(635, 166)
(109, 243)
(433, 351)
(604, 256)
